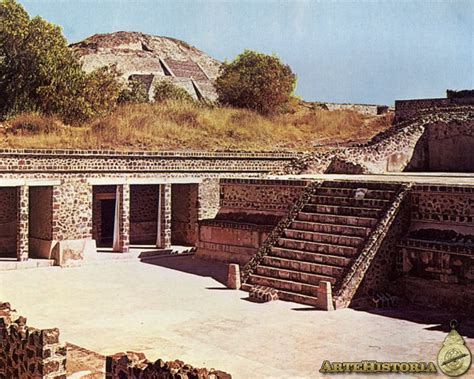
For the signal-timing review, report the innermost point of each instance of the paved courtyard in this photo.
(178, 308)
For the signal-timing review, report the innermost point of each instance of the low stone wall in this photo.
(230, 242)
(132, 365)
(76, 161)
(407, 109)
(26, 352)
(365, 109)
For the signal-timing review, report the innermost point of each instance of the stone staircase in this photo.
(323, 240)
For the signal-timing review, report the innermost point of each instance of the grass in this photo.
(186, 126)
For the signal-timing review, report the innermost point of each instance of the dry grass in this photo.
(186, 126)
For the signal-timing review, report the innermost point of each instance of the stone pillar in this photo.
(233, 276)
(121, 242)
(164, 215)
(22, 223)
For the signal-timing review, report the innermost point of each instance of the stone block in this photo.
(324, 296)
(263, 294)
(233, 276)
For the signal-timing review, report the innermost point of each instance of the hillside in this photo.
(187, 126)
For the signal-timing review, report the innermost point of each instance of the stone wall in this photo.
(252, 198)
(409, 109)
(249, 210)
(383, 269)
(76, 161)
(431, 142)
(143, 213)
(184, 214)
(26, 352)
(8, 213)
(133, 365)
(365, 109)
(443, 207)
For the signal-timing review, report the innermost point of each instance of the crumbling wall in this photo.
(133, 365)
(26, 352)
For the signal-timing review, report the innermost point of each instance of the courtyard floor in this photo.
(178, 308)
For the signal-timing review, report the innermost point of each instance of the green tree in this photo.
(38, 71)
(165, 90)
(255, 81)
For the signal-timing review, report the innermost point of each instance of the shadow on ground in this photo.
(193, 265)
(438, 320)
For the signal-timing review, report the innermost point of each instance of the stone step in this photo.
(307, 256)
(350, 201)
(350, 192)
(346, 230)
(378, 186)
(294, 276)
(343, 210)
(335, 239)
(285, 285)
(318, 247)
(296, 265)
(297, 298)
(334, 219)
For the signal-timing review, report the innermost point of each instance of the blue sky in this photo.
(341, 51)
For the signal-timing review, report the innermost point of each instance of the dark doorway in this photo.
(107, 213)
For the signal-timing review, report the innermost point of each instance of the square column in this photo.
(22, 227)
(164, 217)
(121, 242)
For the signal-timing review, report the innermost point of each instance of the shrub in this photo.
(256, 81)
(135, 93)
(165, 90)
(32, 124)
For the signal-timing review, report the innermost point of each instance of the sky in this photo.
(371, 52)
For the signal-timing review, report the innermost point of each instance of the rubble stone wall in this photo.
(26, 352)
(133, 365)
